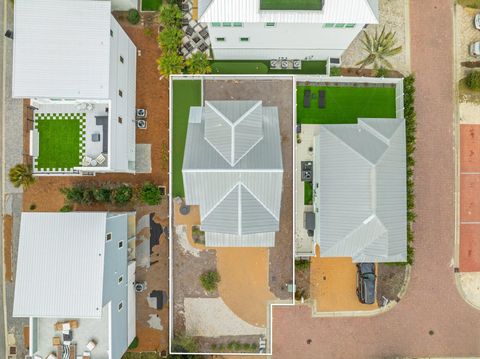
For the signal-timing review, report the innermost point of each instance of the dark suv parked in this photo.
(366, 282)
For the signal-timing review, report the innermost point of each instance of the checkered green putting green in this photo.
(62, 140)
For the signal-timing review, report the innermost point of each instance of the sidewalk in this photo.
(11, 154)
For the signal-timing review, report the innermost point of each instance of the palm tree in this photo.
(379, 48)
(170, 63)
(21, 175)
(198, 64)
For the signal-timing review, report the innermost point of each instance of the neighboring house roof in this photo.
(334, 11)
(232, 169)
(60, 265)
(360, 202)
(61, 49)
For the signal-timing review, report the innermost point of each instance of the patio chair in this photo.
(306, 98)
(321, 98)
(56, 341)
(86, 355)
(86, 161)
(91, 345)
(73, 324)
(51, 356)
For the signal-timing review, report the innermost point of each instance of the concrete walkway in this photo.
(432, 319)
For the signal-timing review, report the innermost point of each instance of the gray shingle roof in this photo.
(360, 201)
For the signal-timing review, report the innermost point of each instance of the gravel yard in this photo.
(394, 15)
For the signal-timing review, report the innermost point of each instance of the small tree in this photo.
(198, 63)
(133, 16)
(150, 194)
(170, 39)
(170, 15)
(122, 195)
(210, 280)
(21, 175)
(170, 63)
(379, 48)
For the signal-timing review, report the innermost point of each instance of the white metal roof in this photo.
(61, 49)
(334, 11)
(361, 172)
(240, 199)
(60, 265)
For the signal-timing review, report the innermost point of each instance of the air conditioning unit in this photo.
(142, 124)
(141, 113)
(334, 61)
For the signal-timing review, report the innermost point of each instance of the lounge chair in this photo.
(306, 98)
(321, 98)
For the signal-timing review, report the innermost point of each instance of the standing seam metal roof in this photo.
(361, 197)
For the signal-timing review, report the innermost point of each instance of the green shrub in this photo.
(123, 194)
(150, 194)
(198, 63)
(88, 198)
(210, 280)
(253, 347)
(133, 16)
(33, 207)
(230, 345)
(246, 346)
(335, 71)
(102, 195)
(213, 346)
(381, 72)
(73, 194)
(170, 15)
(134, 343)
(302, 264)
(237, 346)
(66, 208)
(21, 175)
(184, 344)
(473, 80)
(170, 39)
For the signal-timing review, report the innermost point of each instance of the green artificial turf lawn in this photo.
(290, 5)
(186, 93)
(346, 104)
(59, 145)
(308, 193)
(151, 5)
(263, 67)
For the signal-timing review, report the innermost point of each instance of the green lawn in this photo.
(151, 5)
(308, 193)
(290, 4)
(186, 93)
(60, 141)
(346, 104)
(263, 67)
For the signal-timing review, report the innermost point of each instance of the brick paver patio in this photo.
(432, 319)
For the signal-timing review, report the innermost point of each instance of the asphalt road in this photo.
(432, 319)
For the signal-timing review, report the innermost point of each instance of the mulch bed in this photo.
(390, 279)
(355, 72)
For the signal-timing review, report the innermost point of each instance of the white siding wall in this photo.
(302, 41)
(122, 77)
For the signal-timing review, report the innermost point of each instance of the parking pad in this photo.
(469, 198)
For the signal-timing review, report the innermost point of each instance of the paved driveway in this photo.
(432, 319)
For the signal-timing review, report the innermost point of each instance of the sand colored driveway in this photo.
(333, 285)
(244, 285)
(432, 319)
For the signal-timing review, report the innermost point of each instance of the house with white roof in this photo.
(77, 66)
(359, 179)
(291, 29)
(75, 282)
(232, 169)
